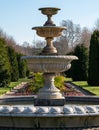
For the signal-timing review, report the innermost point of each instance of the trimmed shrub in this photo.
(5, 76)
(79, 68)
(22, 67)
(93, 71)
(13, 63)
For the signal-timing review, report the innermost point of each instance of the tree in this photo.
(96, 24)
(22, 66)
(79, 68)
(1, 33)
(85, 37)
(13, 63)
(62, 47)
(72, 34)
(68, 72)
(5, 76)
(39, 44)
(93, 72)
(8, 39)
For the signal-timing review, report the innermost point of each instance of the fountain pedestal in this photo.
(49, 95)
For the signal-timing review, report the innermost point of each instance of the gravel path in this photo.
(19, 88)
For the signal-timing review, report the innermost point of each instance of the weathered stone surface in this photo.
(49, 64)
(68, 116)
(49, 102)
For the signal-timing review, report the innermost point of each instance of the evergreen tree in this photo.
(22, 66)
(13, 63)
(93, 72)
(5, 76)
(79, 68)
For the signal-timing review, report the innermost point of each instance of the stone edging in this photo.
(67, 110)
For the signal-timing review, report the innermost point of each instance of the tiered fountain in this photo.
(49, 63)
(49, 110)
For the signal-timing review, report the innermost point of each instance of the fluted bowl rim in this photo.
(71, 57)
(49, 64)
(42, 27)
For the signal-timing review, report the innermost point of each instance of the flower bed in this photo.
(68, 91)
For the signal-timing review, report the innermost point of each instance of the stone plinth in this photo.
(49, 102)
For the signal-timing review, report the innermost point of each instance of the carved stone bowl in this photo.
(49, 31)
(49, 10)
(49, 64)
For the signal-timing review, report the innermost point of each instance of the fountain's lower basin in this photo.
(49, 64)
(20, 113)
(68, 116)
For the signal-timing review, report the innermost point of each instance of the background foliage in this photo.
(5, 75)
(93, 72)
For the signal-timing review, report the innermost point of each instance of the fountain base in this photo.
(49, 102)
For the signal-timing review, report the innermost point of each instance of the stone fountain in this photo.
(49, 110)
(49, 62)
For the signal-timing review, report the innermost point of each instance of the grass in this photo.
(84, 84)
(3, 90)
(68, 79)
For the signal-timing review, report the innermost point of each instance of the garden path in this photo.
(18, 89)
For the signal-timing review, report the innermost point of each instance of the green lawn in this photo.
(93, 89)
(12, 85)
(68, 79)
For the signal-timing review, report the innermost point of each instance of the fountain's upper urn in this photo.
(49, 12)
(49, 30)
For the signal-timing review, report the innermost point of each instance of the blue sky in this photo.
(17, 17)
